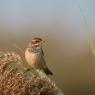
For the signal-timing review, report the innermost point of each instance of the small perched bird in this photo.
(35, 56)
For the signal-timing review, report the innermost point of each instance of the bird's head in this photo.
(36, 42)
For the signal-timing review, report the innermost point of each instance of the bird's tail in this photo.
(47, 71)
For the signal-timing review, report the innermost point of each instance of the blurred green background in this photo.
(59, 22)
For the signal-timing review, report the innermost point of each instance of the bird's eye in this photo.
(36, 41)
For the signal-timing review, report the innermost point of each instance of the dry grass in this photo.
(12, 82)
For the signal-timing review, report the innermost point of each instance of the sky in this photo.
(66, 13)
(18, 11)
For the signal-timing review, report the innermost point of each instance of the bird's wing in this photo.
(44, 66)
(42, 52)
(43, 58)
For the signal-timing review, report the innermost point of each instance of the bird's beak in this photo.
(42, 42)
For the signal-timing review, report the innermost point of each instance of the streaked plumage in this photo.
(35, 57)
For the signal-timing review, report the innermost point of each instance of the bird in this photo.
(34, 56)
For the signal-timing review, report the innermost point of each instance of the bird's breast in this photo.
(32, 58)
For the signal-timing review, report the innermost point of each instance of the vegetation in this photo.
(18, 79)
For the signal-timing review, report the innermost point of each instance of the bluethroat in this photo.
(35, 56)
